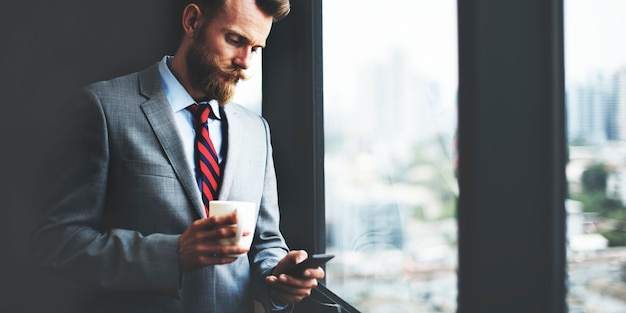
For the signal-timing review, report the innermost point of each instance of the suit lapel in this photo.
(159, 114)
(232, 155)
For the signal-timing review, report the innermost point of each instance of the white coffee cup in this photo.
(246, 221)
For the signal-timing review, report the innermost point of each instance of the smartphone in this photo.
(313, 261)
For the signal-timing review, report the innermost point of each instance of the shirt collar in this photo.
(176, 94)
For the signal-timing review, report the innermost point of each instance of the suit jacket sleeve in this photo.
(71, 236)
(272, 247)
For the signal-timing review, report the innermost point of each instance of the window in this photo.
(250, 91)
(595, 70)
(390, 85)
(511, 211)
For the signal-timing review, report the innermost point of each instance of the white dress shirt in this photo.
(179, 99)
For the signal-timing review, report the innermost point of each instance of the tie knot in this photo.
(200, 113)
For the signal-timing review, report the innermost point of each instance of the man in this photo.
(127, 214)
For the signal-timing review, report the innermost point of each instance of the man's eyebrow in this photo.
(242, 37)
(248, 42)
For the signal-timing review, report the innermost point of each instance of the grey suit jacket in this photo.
(124, 194)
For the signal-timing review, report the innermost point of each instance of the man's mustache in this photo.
(234, 73)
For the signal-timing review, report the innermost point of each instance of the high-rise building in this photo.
(620, 104)
(596, 109)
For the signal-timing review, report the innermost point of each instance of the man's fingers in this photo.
(291, 259)
(213, 221)
(293, 282)
(199, 245)
(288, 293)
(197, 256)
(222, 232)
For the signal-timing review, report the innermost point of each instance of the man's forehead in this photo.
(244, 18)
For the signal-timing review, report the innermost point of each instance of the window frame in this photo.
(511, 235)
(293, 106)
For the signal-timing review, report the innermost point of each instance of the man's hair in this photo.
(278, 9)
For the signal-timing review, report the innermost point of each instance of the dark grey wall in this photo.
(50, 48)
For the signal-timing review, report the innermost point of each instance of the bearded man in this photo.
(127, 209)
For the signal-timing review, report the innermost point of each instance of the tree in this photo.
(594, 178)
(594, 199)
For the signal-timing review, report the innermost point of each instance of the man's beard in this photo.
(206, 73)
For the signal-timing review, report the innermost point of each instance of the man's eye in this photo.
(234, 40)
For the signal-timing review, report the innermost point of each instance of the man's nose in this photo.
(243, 58)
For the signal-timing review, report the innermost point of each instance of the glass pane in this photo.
(249, 92)
(595, 67)
(390, 85)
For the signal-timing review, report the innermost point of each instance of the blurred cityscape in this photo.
(391, 190)
(596, 116)
(390, 120)
(597, 109)
(391, 194)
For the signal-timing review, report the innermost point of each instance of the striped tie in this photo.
(207, 164)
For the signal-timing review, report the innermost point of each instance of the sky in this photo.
(426, 28)
(594, 32)
(595, 36)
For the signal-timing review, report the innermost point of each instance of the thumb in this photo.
(298, 256)
(290, 260)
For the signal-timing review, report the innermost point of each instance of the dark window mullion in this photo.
(512, 157)
(292, 104)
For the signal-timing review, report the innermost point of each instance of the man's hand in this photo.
(288, 289)
(198, 247)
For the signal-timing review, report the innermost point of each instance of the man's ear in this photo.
(192, 20)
